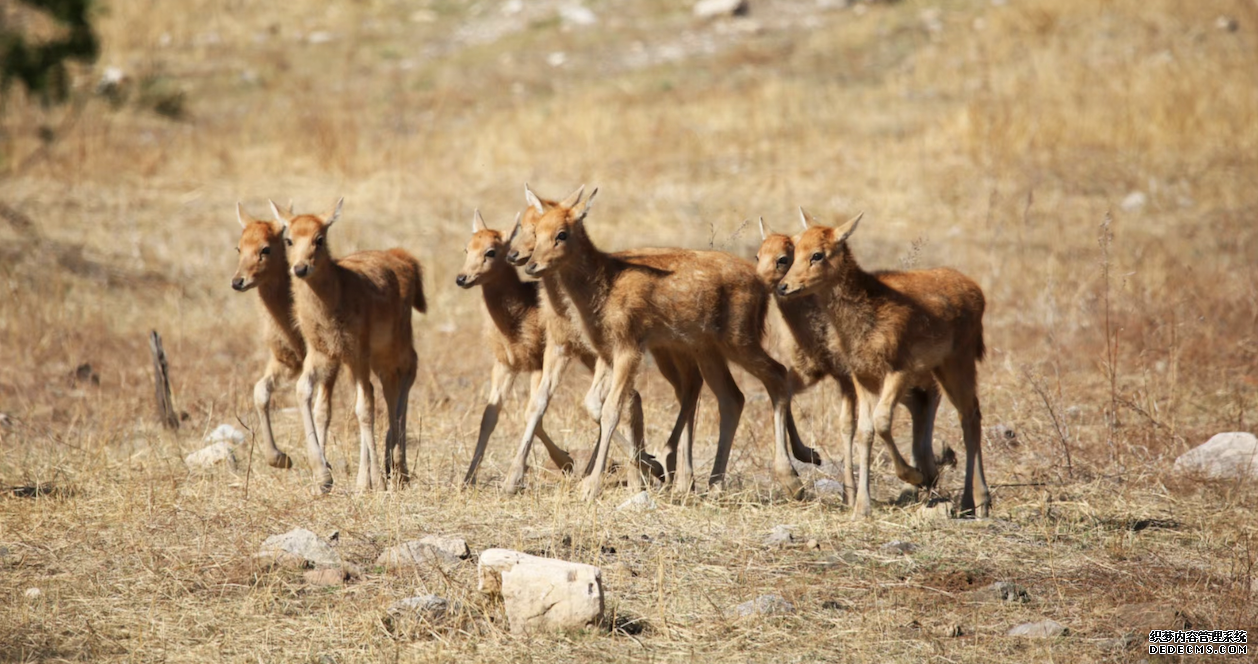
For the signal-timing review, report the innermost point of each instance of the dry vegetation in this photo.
(995, 137)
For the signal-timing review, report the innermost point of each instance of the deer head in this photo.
(307, 239)
(261, 250)
(555, 231)
(821, 256)
(486, 252)
(774, 258)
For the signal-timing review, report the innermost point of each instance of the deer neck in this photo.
(276, 296)
(507, 297)
(587, 279)
(851, 300)
(320, 292)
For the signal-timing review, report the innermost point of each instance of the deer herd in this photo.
(887, 338)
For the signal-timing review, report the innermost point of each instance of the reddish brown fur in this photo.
(264, 266)
(813, 348)
(355, 311)
(895, 330)
(701, 303)
(514, 331)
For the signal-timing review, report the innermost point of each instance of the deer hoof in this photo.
(280, 460)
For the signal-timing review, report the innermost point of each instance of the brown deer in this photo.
(705, 304)
(896, 330)
(565, 340)
(513, 329)
(814, 352)
(355, 311)
(264, 266)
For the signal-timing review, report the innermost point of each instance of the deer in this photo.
(514, 331)
(354, 311)
(896, 330)
(705, 304)
(814, 352)
(263, 266)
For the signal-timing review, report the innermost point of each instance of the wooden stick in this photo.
(165, 405)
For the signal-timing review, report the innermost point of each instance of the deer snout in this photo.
(532, 269)
(301, 270)
(461, 280)
(514, 257)
(783, 289)
(238, 284)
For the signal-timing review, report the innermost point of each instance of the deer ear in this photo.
(573, 198)
(279, 216)
(589, 202)
(842, 232)
(478, 222)
(532, 199)
(243, 217)
(764, 230)
(336, 213)
(806, 219)
(515, 229)
(289, 209)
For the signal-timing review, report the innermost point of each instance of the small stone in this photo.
(6, 421)
(939, 509)
(812, 545)
(556, 59)
(1225, 455)
(1227, 24)
(999, 591)
(897, 546)
(226, 433)
(718, 8)
(780, 536)
(416, 553)
(299, 547)
(1134, 202)
(430, 608)
(953, 631)
(33, 593)
(577, 15)
(1043, 629)
(423, 16)
(1118, 643)
(828, 487)
(834, 605)
(1151, 615)
(325, 576)
(452, 546)
(764, 605)
(319, 37)
(216, 454)
(640, 501)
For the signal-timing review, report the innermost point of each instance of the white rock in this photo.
(453, 546)
(556, 59)
(226, 433)
(33, 593)
(764, 605)
(299, 545)
(897, 546)
(717, 8)
(780, 536)
(1226, 455)
(640, 501)
(319, 37)
(1134, 201)
(939, 510)
(542, 594)
(577, 15)
(1041, 630)
(212, 455)
(424, 552)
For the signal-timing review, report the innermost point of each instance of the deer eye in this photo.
(818, 257)
(288, 241)
(237, 249)
(491, 253)
(266, 251)
(561, 236)
(783, 261)
(318, 240)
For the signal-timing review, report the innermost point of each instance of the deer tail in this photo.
(420, 303)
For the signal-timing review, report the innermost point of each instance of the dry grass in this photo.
(991, 137)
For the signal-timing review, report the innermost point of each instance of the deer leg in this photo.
(687, 380)
(730, 403)
(863, 440)
(558, 456)
(323, 404)
(595, 398)
(262, 392)
(799, 450)
(499, 383)
(923, 404)
(959, 379)
(774, 376)
(848, 414)
(397, 420)
(624, 369)
(554, 362)
(312, 371)
(893, 386)
(369, 476)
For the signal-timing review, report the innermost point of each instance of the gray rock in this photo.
(577, 15)
(1226, 455)
(299, 547)
(896, 546)
(1044, 629)
(936, 510)
(828, 487)
(719, 8)
(780, 536)
(452, 546)
(216, 454)
(641, 502)
(418, 553)
(430, 608)
(764, 605)
(226, 433)
(326, 576)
